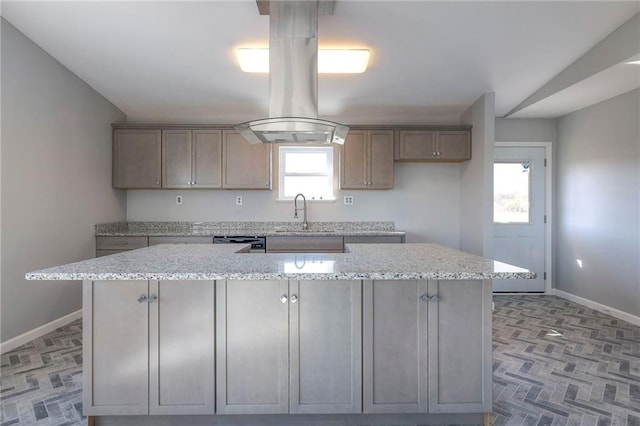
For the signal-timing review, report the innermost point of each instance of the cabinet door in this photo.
(181, 346)
(245, 166)
(176, 159)
(380, 156)
(417, 145)
(207, 159)
(115, 348)
(353, 164)
(326, 347)
(460, 361)
(136, 158)
(395, 347)
(252, 347)
(454, 146)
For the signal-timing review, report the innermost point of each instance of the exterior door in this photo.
(519, 214)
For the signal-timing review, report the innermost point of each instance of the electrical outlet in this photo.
(238, 200)
(348, 199)
(178, 199)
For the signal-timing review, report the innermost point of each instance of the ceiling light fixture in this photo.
(330, 61)
(633, 63)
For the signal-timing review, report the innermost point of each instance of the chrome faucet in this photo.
(305, 225)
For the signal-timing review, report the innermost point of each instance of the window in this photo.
(306, 170)
(511, 191)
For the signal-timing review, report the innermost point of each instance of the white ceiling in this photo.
(175, 62)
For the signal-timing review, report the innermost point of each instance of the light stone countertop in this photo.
(267, 229)
(223, 262)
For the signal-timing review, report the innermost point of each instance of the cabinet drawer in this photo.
(180, 240)
(374, 239)
(120, 243)
(305, 244)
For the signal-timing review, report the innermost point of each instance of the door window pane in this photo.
(511, 192)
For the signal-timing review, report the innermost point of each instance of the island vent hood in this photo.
(293, 81)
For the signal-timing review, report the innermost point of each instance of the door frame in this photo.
(548, 204)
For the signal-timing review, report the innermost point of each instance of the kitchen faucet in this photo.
(305, 225)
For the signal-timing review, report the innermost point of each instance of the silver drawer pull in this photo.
(424, 298)
(121, 243)
(294, 298)
(153, 298)
(142, 298)
(284, 298)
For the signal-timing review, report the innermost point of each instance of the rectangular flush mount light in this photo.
(330, 61)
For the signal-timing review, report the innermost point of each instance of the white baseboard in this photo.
(633, 319)
(20, 340)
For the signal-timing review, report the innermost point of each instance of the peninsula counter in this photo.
(203, 334)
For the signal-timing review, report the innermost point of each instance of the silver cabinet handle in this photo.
(435, 154)
(284, 298)
(142, 298)
(121, 243)
(157, 182)
(153, 298)
(426, 298)
(294, 298)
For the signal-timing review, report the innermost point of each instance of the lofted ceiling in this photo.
(174, 62)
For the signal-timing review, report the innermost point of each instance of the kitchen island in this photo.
(202, 334)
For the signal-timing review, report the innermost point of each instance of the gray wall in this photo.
(56, 180)
(598, 203)
(425, 202)
(476, 180)
(525, 130)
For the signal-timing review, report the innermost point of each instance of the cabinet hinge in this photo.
(545, 218)
(545, 162)
(545, 276)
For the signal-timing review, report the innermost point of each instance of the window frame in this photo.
(329, 151)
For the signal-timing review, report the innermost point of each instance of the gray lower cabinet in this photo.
(426, 347)
(459, 332)
(395, 347)
(288, 347)
(112, 245)
(134, 347)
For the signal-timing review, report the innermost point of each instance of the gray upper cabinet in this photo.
(460, 361)
(305, 347)
(245, 166)
(191, 159)
(395, 347)
(367, 160)
(433, 145)
(136, 159)
(207, 159)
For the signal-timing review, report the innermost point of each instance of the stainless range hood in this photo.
(293, 81)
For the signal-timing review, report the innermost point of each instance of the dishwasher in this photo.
(258, 244)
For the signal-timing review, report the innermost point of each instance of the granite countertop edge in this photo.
(228, 262)
(245, 232)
